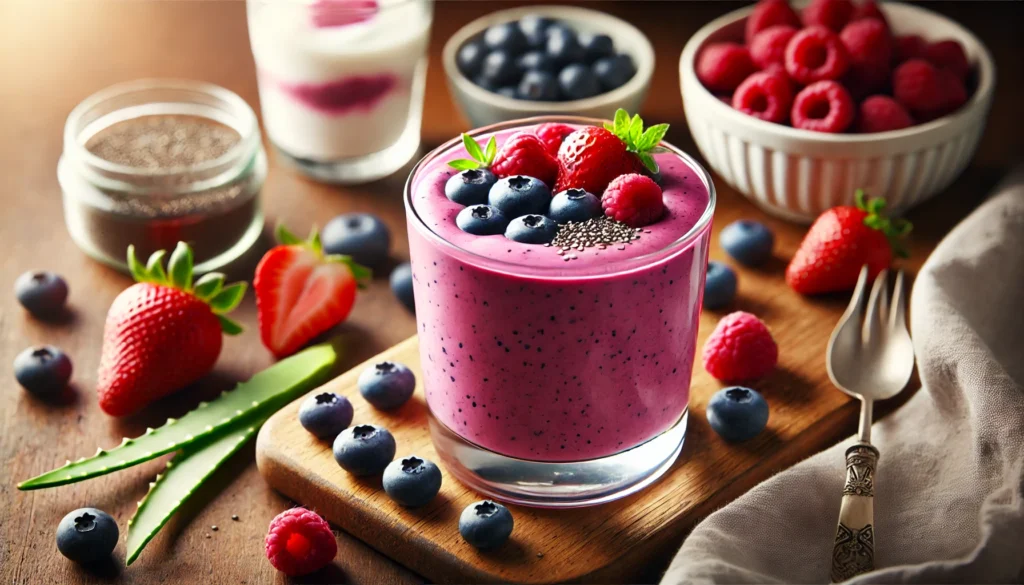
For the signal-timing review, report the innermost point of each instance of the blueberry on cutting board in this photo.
(737, 413)
(325, 414)
(387, 385)
(486, 524)
(412, 481)
(87, 535)
(364, 449)
(363, 236)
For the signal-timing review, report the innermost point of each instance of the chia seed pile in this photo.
(163, 142)
(599, 232)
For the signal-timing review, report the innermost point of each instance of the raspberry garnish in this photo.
(815, 54)
(917, 85)
(824, 106)
(769, 13)
(949, 55)
(525, 154)
(721, 67)
(299, 542)
(552, 136)
(768, 47)
(633, 199)
(740, 348)
(767, 96)
(881, 113)
(831, 14)
(869, 47)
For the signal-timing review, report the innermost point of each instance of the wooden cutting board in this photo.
(613, 542)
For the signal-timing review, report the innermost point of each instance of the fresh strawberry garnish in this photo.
(840, 242)
(552, 135)
(301, 292)
(164, 332)
(525, 154)
(592, 157)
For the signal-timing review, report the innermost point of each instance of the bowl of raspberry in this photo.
(540, 60)
(799, 106)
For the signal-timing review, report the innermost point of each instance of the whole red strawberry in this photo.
(525, 154)
(301, 292)
(162, 333)
(592, 157)
(840, 242)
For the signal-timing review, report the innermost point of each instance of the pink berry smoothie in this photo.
(535, 357)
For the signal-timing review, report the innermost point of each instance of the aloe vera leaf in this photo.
(183, 476)
(265, 392)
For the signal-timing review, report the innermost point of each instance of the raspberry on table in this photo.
(948, 55)
(552, 135)
(769, 13)
(768, 47)
(831, 14)
(881, 113)
(768, 96)
(721, 67)
(525, 154)
(824, 106)
(869, 47)
(633, 199)
(815, 54)
(916, 84)
(907, 47)
(299, 542)
(740, 348)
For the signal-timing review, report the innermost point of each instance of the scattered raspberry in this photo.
(525, 154)
(881, 113)
(831, 14)
(949, 55)
(815, 54)
(768, 13)
(633, 199)
(552, 136)
(299, 542)
(917, 86)
(907, 47)
(868, 9)
(824, 106)
(869, 47)
(768, 47)
(740, 348)
(721, 67)
(767, 96)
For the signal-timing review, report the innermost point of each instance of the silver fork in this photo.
(871, 358)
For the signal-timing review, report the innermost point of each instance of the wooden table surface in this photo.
(54, 53)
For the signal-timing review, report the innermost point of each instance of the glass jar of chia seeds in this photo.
(150, 163)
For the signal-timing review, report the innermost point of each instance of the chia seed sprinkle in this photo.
(599, 232)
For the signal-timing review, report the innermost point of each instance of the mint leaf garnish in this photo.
(462, 164)
(642, 143)
(480, 158)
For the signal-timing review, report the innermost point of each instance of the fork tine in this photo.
(878, 305)
(855, 310)
(898, 308)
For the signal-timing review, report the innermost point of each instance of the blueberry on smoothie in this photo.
(749, 242)
(614, 72)
(401, 285)
(531, 229)
(578, 82)
(596, 46)
(364, 449)
(563, 46)
(87, 535)
(363, 236)
(538, 86)
(499, 69)
(387, 385)
(506, 36)
(737, 413)
(574, 205)
(470, 58)
(486, 524)
(520, 195)
(719, 286)
(325, 414)
(482, 220)
(412, 481)
(44, 371)
(470, 187)
(537, 61)
(42, 293)
(535, 28)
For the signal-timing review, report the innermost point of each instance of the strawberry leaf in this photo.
(228, 326)
(155, 267)
(136, 268)
(180, 267)
(209, 285)
(491, 151)
(648, 162)
(228, 298)
(462, 164)
(285, 237)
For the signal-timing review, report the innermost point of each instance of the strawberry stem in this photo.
(895, 229)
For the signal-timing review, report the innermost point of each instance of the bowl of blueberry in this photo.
(538, 60)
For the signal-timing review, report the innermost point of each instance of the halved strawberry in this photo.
(301, 292)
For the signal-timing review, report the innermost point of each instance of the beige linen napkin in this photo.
(949, 489)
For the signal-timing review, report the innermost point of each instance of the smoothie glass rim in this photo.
(609, 269)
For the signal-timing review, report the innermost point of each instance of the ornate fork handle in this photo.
(854, 549)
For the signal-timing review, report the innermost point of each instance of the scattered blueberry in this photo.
(43, 371)
(520, 195)
(486, 524)
(531, 229)
(87, 535)
(363, 236)
(325, 414)
(574, 205)
(719, 286)
(470, 187)
(508, 91)
(614, 72)
(364, 449)
(535, 28)
(578, 82)
(749, 242)
(563, 46)
(481, 220)
(41, 293)
(470, 58)
(737, 413)
(412, 481)
(596, 46)
(401, 285)
(499, 69)
(506, 36)
(538, 86)
(387, 385)
(537, 61)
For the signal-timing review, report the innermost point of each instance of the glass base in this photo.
(572, 484)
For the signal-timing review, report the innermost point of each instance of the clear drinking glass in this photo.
(341, 82)
(555, 382)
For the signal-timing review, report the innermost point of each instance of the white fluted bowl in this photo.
(797, 174)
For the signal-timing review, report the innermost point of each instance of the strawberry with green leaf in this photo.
(164, 332)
